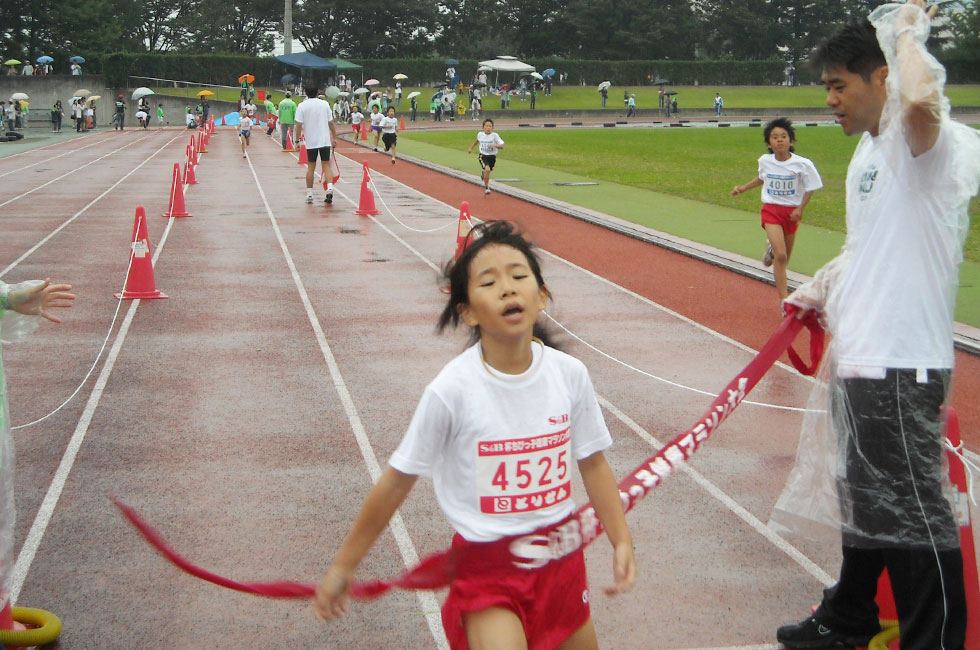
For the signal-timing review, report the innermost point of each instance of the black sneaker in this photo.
(813, 634)
(328, 197)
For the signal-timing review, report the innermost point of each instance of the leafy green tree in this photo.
(964, 29)
(238, 27)
(470, 29)
(740, 29)
(625, 30)
(365, 28)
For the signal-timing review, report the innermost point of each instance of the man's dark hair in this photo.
(853, 46)
(311, 91)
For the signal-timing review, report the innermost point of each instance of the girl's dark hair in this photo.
(457, 272)
(782, 123)
(854, 46)
(488, 120)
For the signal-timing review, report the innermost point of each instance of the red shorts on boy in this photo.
(552, 601)
(779, 215)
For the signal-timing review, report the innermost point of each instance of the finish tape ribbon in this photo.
(580, 529)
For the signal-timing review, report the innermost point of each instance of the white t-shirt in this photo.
(893, 306)
(389, 124)
(489, 143)
(315, 116)
(356, 117)
(376, 118)
(245, 124)
(500, 448)
(250, 107)
(785, 182)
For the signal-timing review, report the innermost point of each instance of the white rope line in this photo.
(400, 222)
(115, 315)
(968, 465)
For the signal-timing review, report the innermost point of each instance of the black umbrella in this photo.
(660, 82)
(670, 92)
(440, 84)
(452, 62)
(478, 84)
(286, 78)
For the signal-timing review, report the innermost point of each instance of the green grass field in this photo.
(587, 97)
(679, 181)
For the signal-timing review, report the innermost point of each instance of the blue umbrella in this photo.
(452, 62)
(550, 72)
(44, 59)
(76, 59)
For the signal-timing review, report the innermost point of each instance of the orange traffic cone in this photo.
(222, 120)
(289, 143)
(201, 144)
(139, 281)
(463, 229)
(303, 159)
(364, 130)
(401, 125)
(193, 151)
(189, 177)
(366, 204)
(177, 208)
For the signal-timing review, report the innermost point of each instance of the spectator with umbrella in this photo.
(604, 91)
(76, 65)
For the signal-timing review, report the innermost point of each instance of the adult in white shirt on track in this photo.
(314, 119)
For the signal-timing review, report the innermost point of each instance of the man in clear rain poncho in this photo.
(876, 435)
(21, 308)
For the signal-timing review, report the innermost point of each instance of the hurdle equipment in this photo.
(139, 281)
(177, 208)
(365, 205)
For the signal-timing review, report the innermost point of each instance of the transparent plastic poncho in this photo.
(846, 482)
(14, 327)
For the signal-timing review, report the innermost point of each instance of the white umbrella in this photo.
(414, 93)
(400, 76)
(19, 96)
(94, 98)
(360, 91)
(605, 84)
(371, 82)
(83, 92)
(142, 91)
(332, 92)
(452, 97)
(343, 93)
(536, 75)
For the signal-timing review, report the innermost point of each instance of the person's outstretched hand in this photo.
(37, 300)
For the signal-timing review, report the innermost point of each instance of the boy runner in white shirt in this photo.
(388, 126)
(489, 143)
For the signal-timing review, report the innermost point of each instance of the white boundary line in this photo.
(77, 169)
(410, 556)
(34, 164)
(54, 232)
(46, 511)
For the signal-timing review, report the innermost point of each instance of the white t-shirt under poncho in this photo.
(500, 448)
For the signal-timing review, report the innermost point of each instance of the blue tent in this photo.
(307, 60)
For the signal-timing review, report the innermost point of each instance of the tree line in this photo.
(473, 29)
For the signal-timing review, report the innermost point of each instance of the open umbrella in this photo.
(249, 77)
(94, 98)
(479, 84)
(437, 95)
(83, 92)
(671, 92)
(142, 91)
(484, 68)
(44, 59)
(11, 62)
(400, 76)
(660, 82)
(205, 93)
(605, 84)
(343, 93)
(371, 82)
(376, 95)
(361, 91)
(332, 92)
(76, 59)
(550, 72)
(536, 75)
(19, 96)
(452, 62)
(414, 93)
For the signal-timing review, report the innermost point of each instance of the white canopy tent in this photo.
(506, 64)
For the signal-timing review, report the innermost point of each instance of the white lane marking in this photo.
(802, 560)
(82, 211)
(60, 155)
(430, 607)
(77, 169)
(44, 514)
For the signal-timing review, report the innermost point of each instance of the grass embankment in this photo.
(700, 166)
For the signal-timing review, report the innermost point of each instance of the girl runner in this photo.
(789, 181)
(244, 130)
(376, 118)
(497, 430)
(355, 119)
(489, 143)
(388, 134)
